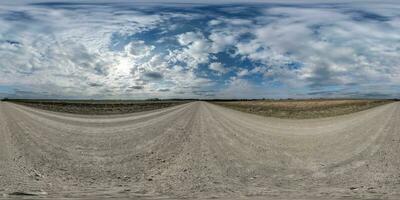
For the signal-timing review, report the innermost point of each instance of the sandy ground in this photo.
(199, 150)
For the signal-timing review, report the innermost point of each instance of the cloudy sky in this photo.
(180, 49)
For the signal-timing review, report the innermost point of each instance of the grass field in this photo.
(295, 109)
(301, 109)
(94, 107)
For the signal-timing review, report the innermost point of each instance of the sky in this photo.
(199, 49)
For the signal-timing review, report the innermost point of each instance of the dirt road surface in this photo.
(199, 150)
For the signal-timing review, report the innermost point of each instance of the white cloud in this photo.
(218, 67)
(214, 22)
(332, 47)
(195, 51)
(243, 72)
(139, 49)
(89, 50)
(189, 37)
(67, 53)
(220, 40)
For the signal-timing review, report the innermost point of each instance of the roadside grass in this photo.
(301, 109)
(98, 107)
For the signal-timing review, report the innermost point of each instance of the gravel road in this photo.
(199, 150)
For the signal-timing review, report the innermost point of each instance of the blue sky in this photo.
(170, 49)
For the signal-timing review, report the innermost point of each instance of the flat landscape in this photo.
(91, 107)
(199, 150)
(302, 109)
(200, 99)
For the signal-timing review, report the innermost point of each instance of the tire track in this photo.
(200, 150)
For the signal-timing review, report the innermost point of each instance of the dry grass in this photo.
(99, 107)
(302, 109)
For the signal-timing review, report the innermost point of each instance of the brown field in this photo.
(302, 109)
(99, 107)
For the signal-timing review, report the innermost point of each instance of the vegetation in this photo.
(302, 109)
(98, 107)
(287, 108)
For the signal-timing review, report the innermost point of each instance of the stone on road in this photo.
(199, 150)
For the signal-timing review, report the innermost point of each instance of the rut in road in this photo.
(200, 150)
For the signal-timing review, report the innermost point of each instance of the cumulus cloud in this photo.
(243, 72)
(60, 47)
(195, 51)
(139, 49)
(221, 40)
(214, 22)
(218, 67)
(124, 50)
(189, 38)
(332, 47)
